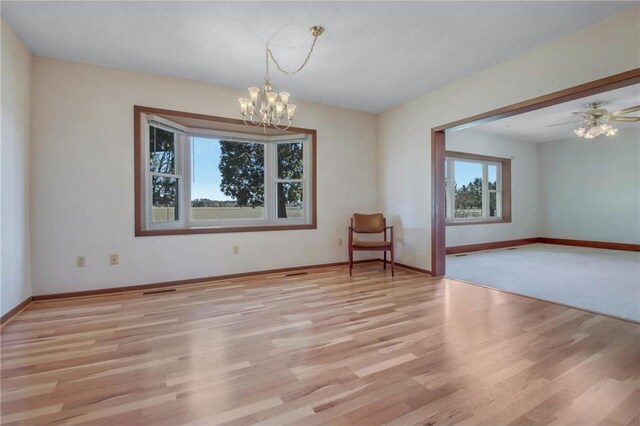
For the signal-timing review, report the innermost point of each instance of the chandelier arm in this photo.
(270, 53)
(276, 125)
(252, 122)
(282, 128)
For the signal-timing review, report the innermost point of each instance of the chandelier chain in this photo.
(267, 108)
(266, 77)
(270, 53)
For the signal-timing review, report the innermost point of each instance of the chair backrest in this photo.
(368, 223)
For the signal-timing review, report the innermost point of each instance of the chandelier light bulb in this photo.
(244, 105)
(279, 109)
(271, 98)
(284, 97)
(291, 109)
(253, 92)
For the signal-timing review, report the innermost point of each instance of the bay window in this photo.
(201, 174)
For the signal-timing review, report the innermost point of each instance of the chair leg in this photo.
(392, 263)
(385, 260)
(350, 261)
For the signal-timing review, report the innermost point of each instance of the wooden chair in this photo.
(370, 224)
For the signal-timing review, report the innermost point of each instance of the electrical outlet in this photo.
(113, 259)
(80, 262)
(236, 249)
(339, 242)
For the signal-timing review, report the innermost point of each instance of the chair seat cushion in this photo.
(371, 243)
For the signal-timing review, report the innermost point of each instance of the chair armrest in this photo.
(388, 227)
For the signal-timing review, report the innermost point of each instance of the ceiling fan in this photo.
(596, 118)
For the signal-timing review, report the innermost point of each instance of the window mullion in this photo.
(499, 190)
(447, 198)
(485, 190)
(147, 173)
(178, 170)
(188, 178)
(306, 169)
(269, 184)
(450, 184)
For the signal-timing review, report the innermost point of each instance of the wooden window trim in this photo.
(506, 187)
(138, 153)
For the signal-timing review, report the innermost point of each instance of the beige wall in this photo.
(82, 176)
(525, 211)
(82, 182)
(591, 189)
(404, 182)
(15, 276)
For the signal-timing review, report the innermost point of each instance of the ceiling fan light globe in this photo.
(595, 131)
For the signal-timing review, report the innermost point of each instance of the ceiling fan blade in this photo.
(624, 119)
(626, 110)
(562, 124)
(583, 114)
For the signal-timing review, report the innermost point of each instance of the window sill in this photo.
(221, 230)
(478, 222)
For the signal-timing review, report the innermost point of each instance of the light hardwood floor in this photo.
(320, 348)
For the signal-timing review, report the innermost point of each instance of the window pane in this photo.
(492, 176)
(227, 180)
(468, 189)
(289, 200)
(493, 204)
(165, 199)
(162, 154)
(290, 162)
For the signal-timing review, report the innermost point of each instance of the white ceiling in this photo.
(531, 126)
(373, 56)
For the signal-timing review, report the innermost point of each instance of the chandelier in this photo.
(267, 108)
